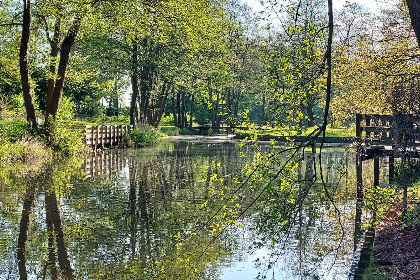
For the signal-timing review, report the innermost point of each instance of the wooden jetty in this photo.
(107, 135)
(388, 135)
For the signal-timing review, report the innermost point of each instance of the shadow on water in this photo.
(137, 214)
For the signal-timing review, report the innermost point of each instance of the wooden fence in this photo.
(107, 135)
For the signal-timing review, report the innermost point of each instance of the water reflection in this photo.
(135, 214)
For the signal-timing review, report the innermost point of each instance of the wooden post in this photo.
(358, 131)
(96, 136)
(120, 133)
(359, 175)
(368, 118)
(106, 135)
(376, 171)
(391, 169)
(113, 136)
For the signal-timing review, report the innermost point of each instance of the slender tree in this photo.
(23, 64)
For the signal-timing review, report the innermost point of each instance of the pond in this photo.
(170, 210)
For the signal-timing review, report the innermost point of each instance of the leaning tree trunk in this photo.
(166, 87)
(62, 68)
(23, 65)
(54, 44)
(414, 9)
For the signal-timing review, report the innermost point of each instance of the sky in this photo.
(337, 4)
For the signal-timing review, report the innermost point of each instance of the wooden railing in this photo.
(107, 135)
(387, 129)
(378, 128)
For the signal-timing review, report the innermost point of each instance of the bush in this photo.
(145, 136)
(184, 131)
(14, 132)
(62, 138)
(167, 120)
(210, 132)
(170, 131)
(413, 216)
(65, 111)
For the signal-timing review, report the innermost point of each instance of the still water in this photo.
(140, 214)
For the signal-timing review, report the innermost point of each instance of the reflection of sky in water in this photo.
(246, 269)
(106, 197)
(293, 262)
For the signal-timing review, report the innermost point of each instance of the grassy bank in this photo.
(18, 144)
(343, 132)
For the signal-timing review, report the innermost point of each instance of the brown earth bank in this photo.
(397, 248)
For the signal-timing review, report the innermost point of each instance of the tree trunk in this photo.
(237, 104)
(62, 68)
(54, 42)
(212, 116)
(184, 108)
(262, 110)
(134, 86)
(178, 106)
(192, 110)
(216, 119)
(162, 103)
(174, 109)
(329, 66)
(144, 96)
(414, 10)
(23, 65)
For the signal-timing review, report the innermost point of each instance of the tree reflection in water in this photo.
(136, 215)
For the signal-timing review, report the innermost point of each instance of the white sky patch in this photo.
(372, 5)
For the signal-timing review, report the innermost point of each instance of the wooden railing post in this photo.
(97, 137)
(358, 120)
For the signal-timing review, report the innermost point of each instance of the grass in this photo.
(294, 131)
(342, 132)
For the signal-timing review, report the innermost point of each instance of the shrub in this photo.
(61, 138)
(14, 132)
(170, 131)
(65, 111)
(413, 216)
(167, 120)
(210, 132)
(184, 131)
(145, 136)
